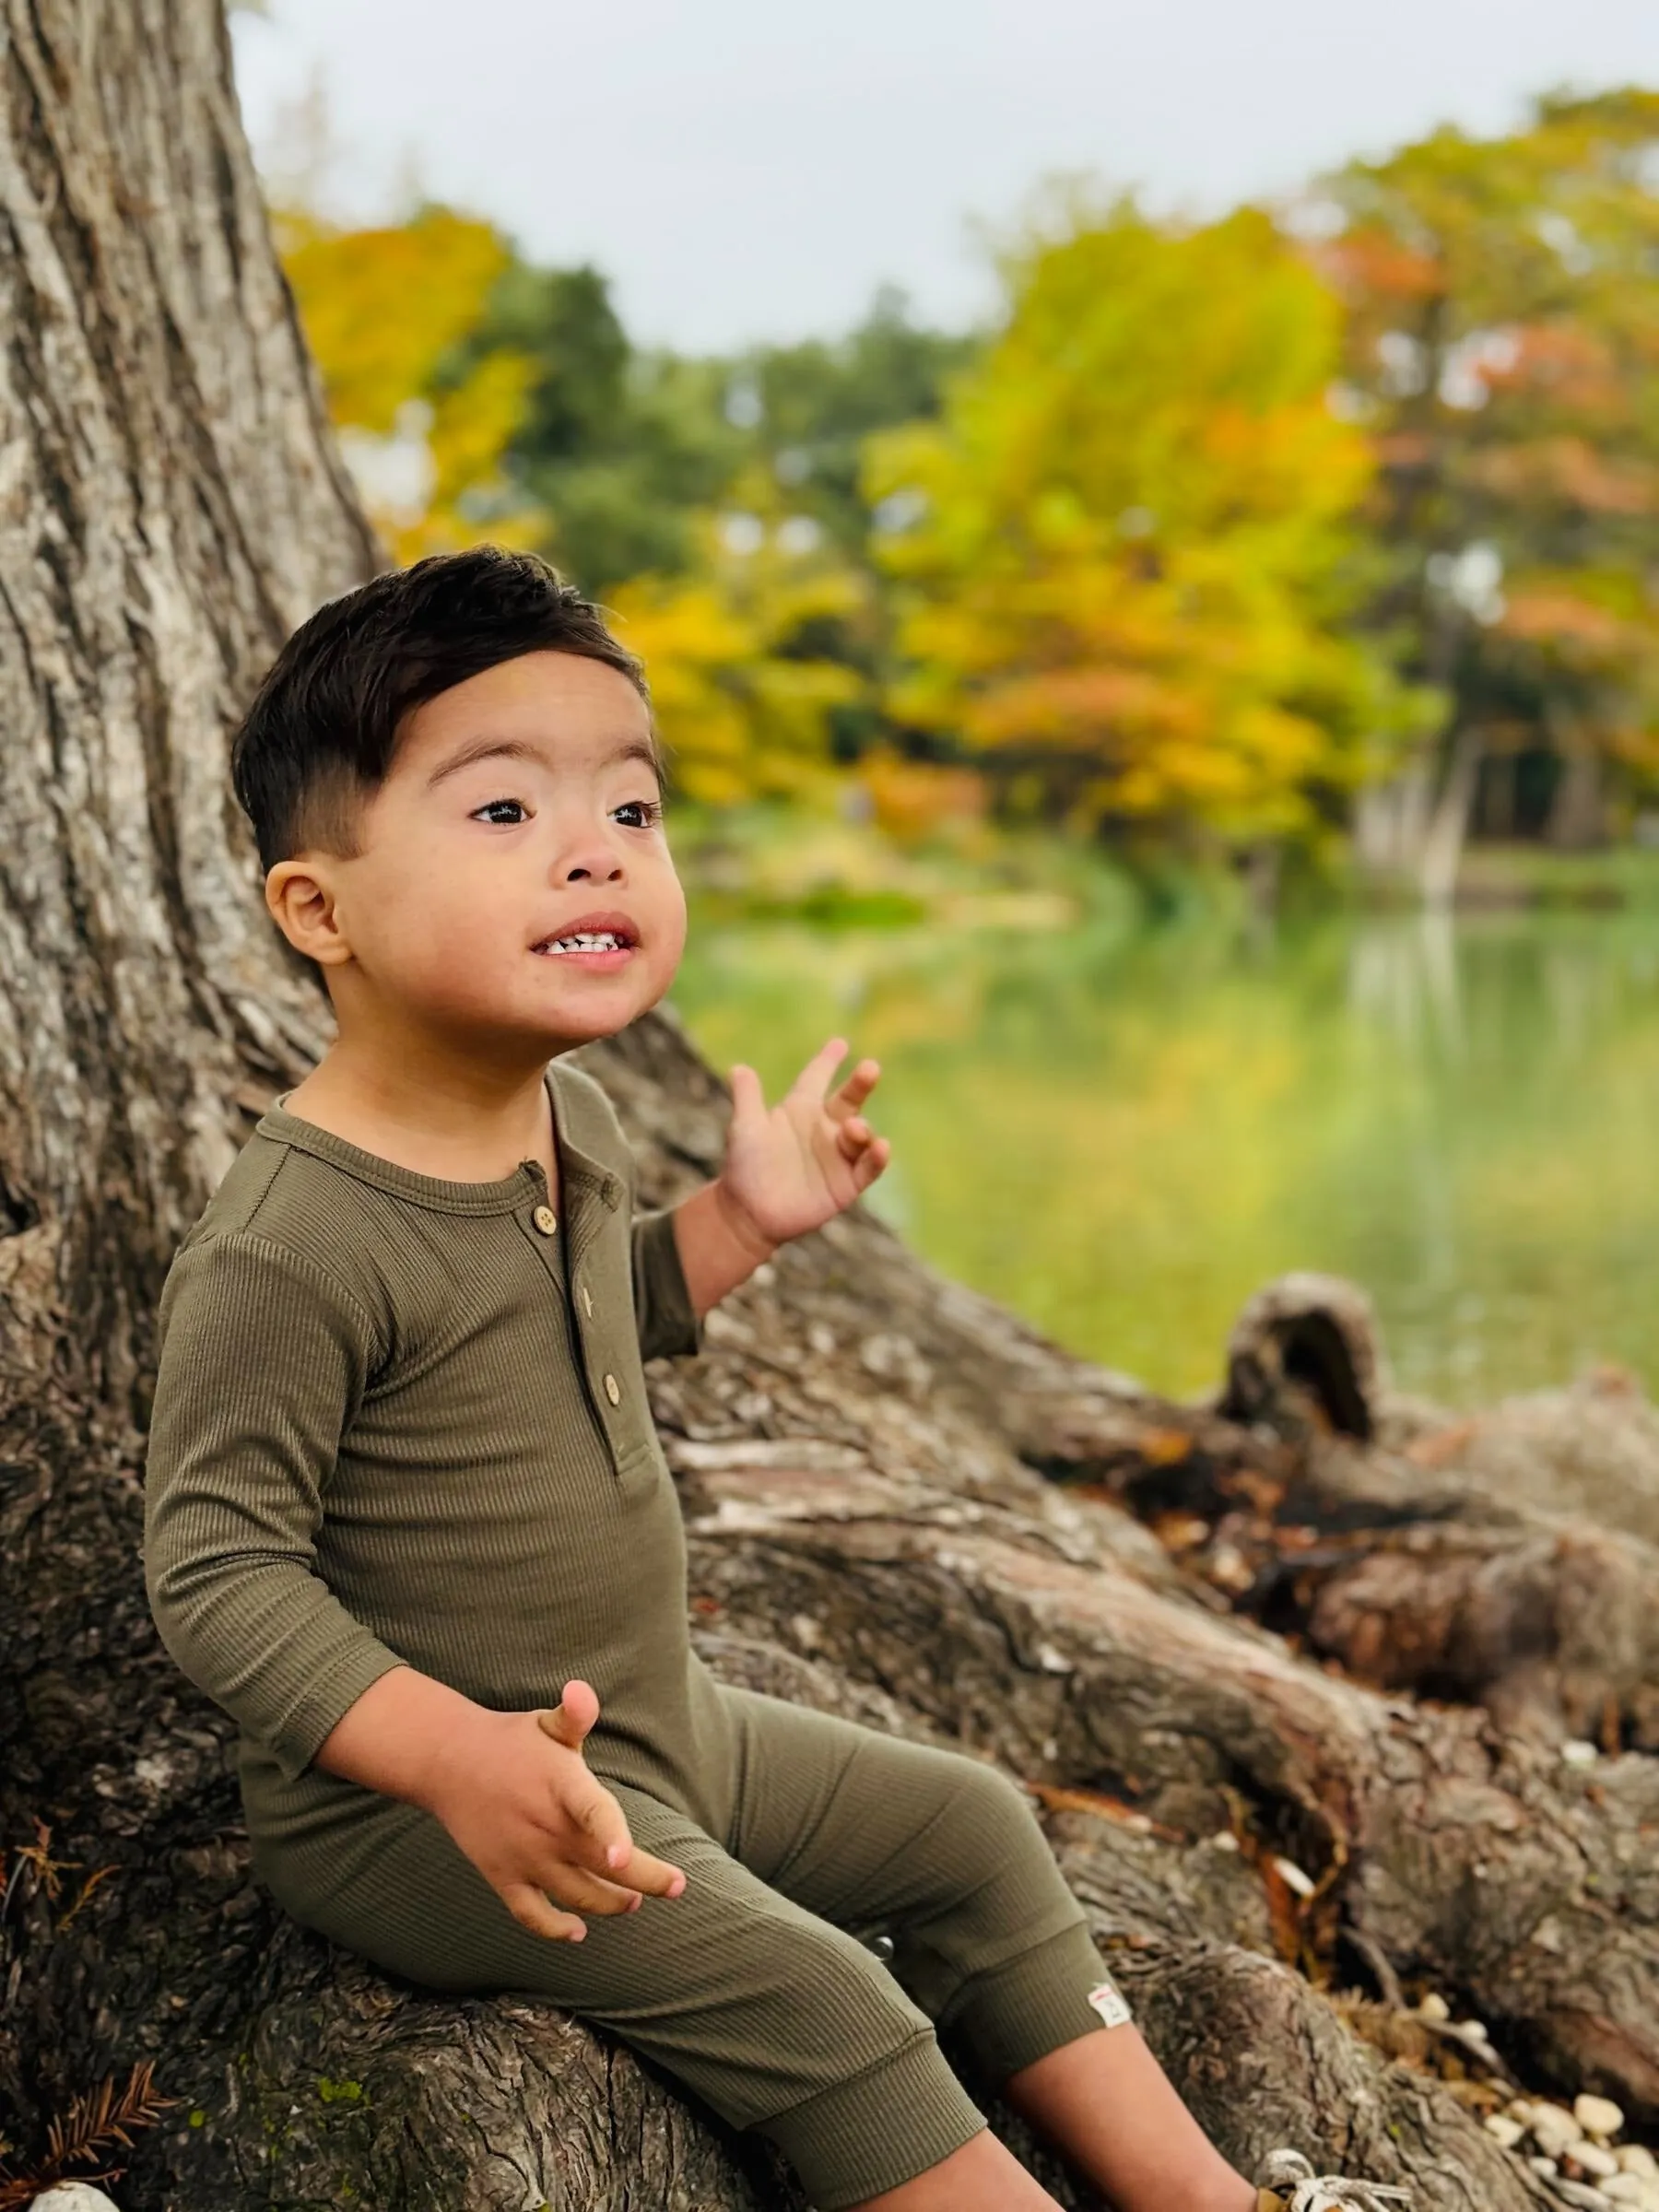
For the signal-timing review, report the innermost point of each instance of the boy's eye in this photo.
(647, 813)
(503, 811)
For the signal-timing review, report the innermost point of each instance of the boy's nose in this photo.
(593, 865)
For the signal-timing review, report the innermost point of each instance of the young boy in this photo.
(407, 1517)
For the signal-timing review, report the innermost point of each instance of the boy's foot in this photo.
(1288, 2183)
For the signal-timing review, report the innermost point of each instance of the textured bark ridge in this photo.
(170, 506)
(1324, 1700)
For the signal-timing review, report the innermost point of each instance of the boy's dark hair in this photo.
(319, 737)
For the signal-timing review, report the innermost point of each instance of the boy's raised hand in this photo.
(792, 1167)
(520, 1801)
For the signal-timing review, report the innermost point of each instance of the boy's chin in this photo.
(605, 1014)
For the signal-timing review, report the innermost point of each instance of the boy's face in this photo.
(521, 808)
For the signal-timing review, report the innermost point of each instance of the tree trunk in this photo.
(1578, 812)
(172, 506)
(1448, 829)
(902, 1504)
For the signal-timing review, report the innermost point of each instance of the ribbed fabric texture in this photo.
(752, 1988)
(394, 1420)
(397, 1418)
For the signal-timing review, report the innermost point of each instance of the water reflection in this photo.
(1122, 1136)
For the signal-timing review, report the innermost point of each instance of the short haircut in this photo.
(319, 737)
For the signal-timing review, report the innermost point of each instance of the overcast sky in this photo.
(754, 168)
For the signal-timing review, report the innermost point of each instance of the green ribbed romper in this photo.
(399, 1418)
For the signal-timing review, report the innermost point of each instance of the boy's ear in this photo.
(301, 895)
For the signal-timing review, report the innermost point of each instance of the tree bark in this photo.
(1448, 829)
(172, 505)
(902, 1503)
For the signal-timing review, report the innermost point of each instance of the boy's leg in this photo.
(944, 1855)
(779, 2022)
(1113, 2110)
(934, 1850)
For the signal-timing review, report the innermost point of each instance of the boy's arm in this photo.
(716, 1246)
(667, 1312)
(264, 1360)
(788, 1170)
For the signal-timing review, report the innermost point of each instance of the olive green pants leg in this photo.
(753, 1988)
(778, 2020)
(934, 1850)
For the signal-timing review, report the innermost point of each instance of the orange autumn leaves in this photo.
(1216, 524)
(1123, 556)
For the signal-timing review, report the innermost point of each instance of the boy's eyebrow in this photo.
(519, 748)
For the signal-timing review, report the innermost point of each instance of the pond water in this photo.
(1122, 1136)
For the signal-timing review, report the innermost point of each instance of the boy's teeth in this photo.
(602, 940)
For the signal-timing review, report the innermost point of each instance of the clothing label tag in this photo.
(1108, 2001)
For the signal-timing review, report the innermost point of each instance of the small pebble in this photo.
(1582, 2194)
(1520, 2108)
(1598, 2116)
(73, 2197)
(1553, 2130)
(1578, 1753)
(1546, 2168)
(1507, 2130)
(1636, 2158)
(1627, 2189)
(1598, 2161)
(1434, 2007)
(1291, 1874)
(1474, 2032)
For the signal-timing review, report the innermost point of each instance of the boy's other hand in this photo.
(792, 1167)
(514, 1790)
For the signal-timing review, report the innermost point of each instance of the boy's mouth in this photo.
(595, 940)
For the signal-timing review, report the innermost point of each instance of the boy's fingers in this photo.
(531, 1911)
(604, 1824)
(581, 1891)
(748, 1099)
(852, 1136)
(655, 1878)
(813, 1081)
(871, 1162)
(615, 1856)
(856, 1089)
(568, 1722)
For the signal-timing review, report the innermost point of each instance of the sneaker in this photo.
(1288, 2183)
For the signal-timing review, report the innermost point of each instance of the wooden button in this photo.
(546, 1220)
(613, 1390)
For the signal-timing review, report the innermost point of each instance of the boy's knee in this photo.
(995, 1815)
(826, 1967)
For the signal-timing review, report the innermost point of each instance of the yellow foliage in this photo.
(385, 311)
(743, 711)
(1116, 549)
(912, 800)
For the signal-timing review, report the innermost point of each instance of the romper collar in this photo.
(581, 1176)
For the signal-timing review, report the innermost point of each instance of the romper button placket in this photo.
(546, 1220)
(613, 1390)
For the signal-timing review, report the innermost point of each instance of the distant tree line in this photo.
(1337, 518)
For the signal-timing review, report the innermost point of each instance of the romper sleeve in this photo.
(264, 1360)
(667, 1319)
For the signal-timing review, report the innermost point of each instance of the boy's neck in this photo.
(463, 1120)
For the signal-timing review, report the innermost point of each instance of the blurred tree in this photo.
(1125, 549)
(1502, 348)
(426, 417)
(619, 451)
(809, 408)
(752, 654)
